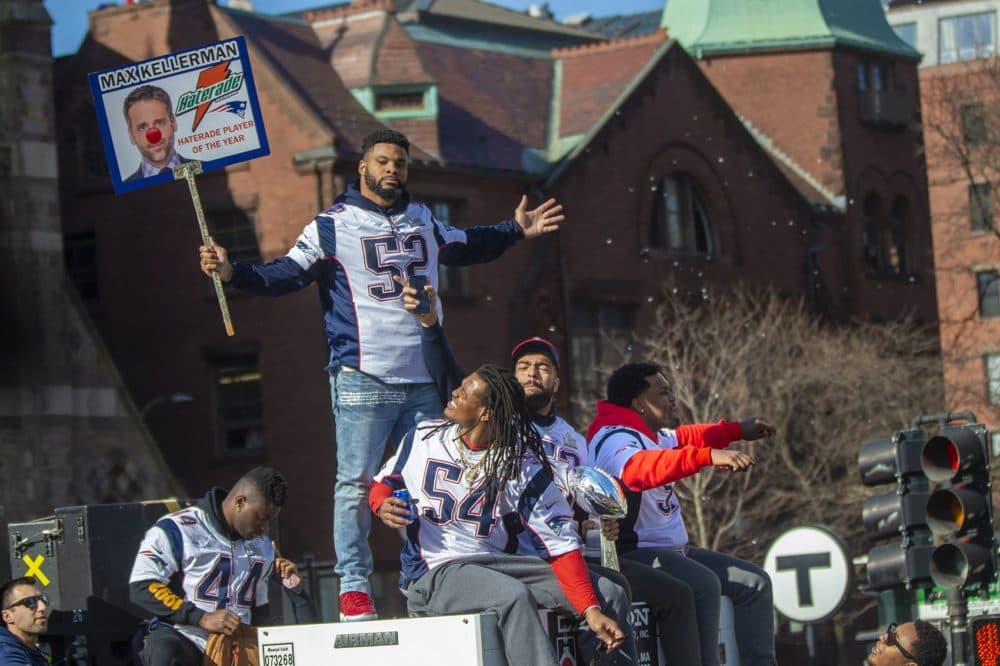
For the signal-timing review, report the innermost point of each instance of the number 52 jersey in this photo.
(194, 561)
(455, 518)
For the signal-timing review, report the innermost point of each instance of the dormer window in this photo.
(419, 100)
(399, 101)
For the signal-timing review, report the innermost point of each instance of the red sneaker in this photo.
(356, 606)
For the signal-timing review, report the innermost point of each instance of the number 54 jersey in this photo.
(456, 518)
(196, 562)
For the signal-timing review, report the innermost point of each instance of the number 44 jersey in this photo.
(456, 518)
(188, 553)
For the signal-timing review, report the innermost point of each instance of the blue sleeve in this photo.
(440, 361)
(482, 244)
(297, 269)
(279, 277)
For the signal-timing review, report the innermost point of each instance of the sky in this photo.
(70, 16)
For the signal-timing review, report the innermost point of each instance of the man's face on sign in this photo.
(151, 128)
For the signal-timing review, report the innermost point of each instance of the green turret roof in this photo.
(712, 27)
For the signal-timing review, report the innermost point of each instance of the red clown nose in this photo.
(153, 135)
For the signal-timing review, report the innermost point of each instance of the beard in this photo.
(538, 401)
(387, 193)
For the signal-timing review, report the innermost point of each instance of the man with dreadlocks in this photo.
(484, 461)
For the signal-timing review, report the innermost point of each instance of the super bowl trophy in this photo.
(598, 493)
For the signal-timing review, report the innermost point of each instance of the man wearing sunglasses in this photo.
(25, 617)
(918, 643)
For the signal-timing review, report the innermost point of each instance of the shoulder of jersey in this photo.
(333, 210)
(614, 432)
(191, 515)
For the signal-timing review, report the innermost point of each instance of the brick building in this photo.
(960, 76)
(69, 430)
(675, 175)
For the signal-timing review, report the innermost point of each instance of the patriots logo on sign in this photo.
(237, 107)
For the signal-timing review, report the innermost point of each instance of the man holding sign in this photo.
(380, 386)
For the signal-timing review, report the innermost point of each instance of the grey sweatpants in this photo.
(514, 587)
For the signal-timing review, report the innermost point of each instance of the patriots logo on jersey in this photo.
(188, 520)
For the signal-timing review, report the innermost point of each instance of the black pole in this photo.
(958, 618)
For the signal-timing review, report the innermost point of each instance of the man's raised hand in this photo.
(542, 220)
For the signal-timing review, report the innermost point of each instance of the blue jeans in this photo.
(367, 413)
(711, 574)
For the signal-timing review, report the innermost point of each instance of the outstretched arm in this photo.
(479, 245)
(292, 272)
(722, 434)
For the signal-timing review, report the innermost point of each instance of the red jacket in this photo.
(650, 469)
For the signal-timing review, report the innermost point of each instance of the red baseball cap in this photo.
(535, 345)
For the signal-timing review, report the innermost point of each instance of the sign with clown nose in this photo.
(195, 105)
(178, 115)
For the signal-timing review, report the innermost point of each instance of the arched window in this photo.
(885, 252)
(680, 217)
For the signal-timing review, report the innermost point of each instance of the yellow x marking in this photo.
(35, 569)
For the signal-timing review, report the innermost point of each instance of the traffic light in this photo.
(899, 513)
(985, 634)
(961, 510)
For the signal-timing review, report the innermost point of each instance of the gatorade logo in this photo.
(215, 83)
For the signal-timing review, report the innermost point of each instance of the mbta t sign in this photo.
(810, 573)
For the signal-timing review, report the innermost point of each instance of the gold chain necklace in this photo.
(471, 471)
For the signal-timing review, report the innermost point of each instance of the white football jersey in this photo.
(374, 333)
(455, 520)
(658, 522)
(185, 551)
(564, 447)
